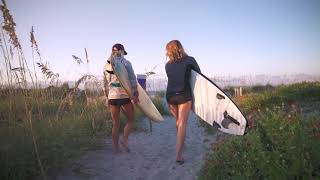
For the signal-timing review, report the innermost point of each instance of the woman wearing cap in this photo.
(179, 96)
(118, 98)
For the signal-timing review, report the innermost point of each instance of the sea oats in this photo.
(87, 58)
(34, 42)
(47, 72)
(151, 72)
(68, 100)
(9, 25)
(78, 60)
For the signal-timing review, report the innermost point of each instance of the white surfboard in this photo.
(213, 106)
(145, 103)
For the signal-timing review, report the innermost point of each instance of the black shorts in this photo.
(119, 102)
(179, 97)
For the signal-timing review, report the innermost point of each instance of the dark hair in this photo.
(119, 47)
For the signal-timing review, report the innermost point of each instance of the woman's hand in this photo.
(135, 99)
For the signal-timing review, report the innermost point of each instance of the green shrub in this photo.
(282, 95)
(282, 144)
(278, 148)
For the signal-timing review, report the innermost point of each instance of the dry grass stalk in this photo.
(34, 42)
(11, 52)
(36, 148)
(91, 102)
(48, 72)
(18, 72)
(6, 59)
(87, 77)
(78, 60)
(25, 65)
(9, 25)
(68, 100)
(1, 80)
(87, 58)
(34, 45)
(151, 72)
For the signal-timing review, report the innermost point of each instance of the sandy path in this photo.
(152, 156)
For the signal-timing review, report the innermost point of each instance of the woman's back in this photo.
(178, 74)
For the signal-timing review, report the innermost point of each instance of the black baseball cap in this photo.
(119, 47)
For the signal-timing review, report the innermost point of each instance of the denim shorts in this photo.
(119, 102)
(179, 97)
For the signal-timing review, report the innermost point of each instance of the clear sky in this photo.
(227, 37)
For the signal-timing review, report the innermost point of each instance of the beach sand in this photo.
(152, 156)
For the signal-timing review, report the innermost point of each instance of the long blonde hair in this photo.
(175, 51)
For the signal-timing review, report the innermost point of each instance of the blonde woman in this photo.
(179, 96)
(118, 98)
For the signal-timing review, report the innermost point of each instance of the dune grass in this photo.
(30, 132)
(281, 142)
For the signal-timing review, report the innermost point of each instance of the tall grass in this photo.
(38, 133)
(281, 142)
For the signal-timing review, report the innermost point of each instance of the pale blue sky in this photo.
(227, 37)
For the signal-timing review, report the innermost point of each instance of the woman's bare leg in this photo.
(183, 113)
(115, 113)
(174, 112)
(129, 113)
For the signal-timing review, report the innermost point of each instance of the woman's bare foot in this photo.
(116, 150)
(124, 145)
(180, 161)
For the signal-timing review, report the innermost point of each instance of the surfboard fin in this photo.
(220, 96)
(215, 124)
(228, 119)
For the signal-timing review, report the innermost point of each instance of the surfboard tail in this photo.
(214, 106)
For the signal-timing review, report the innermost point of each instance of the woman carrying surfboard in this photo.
(179, 95)
(118, 98)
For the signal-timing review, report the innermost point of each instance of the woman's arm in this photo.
(105, 83)
(132, 79)
(196, 66)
